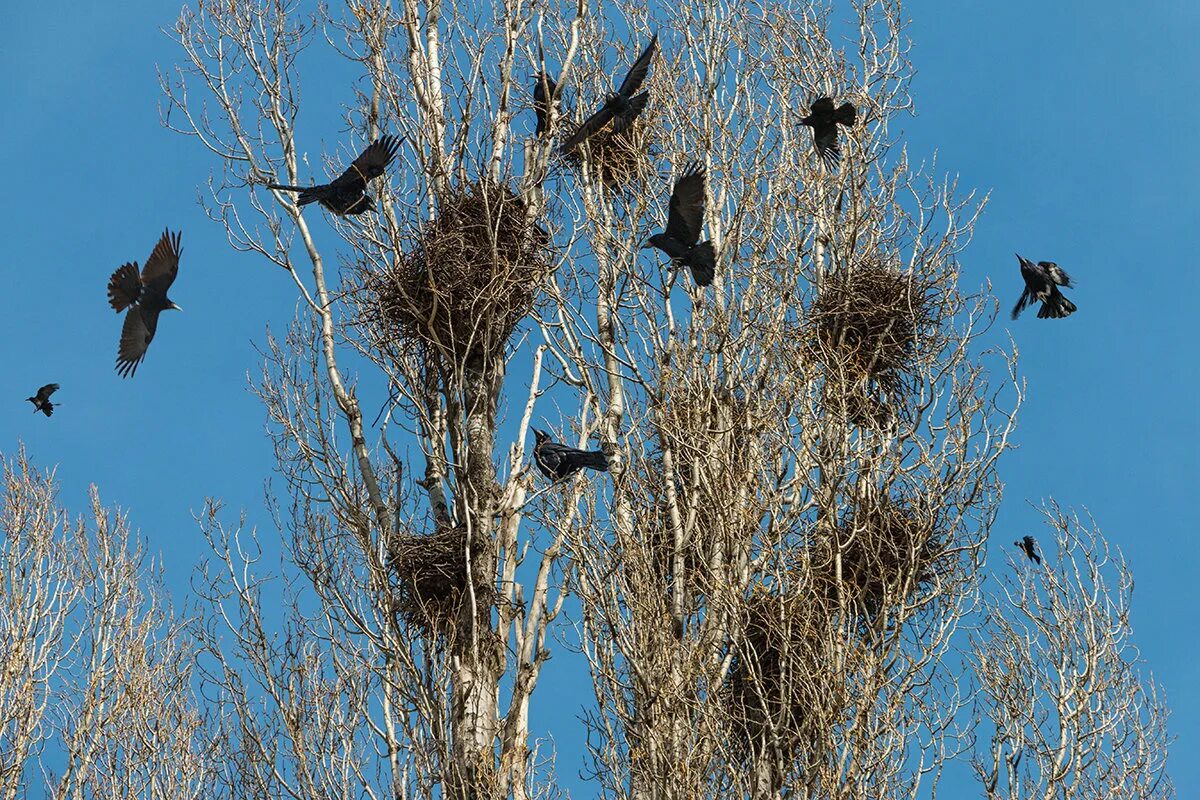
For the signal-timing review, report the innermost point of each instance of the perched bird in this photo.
(1029, 548)
(145, 296)
(823, 118)
(41, 400)
(557, 461)
(1041, 283)
(684, 221)
(620, 108)
(347, 193)
(545, 97)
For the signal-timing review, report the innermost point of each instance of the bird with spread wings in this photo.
(145, 295)
(685, 219)
(347, 193)
(620, 108)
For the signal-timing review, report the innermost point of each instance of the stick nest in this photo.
(866, 322)
(431, 575)
(470, 278)
(620, 161)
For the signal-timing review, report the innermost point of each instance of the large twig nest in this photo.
(431, 574)
(470, 278)
(620, 161)
(867, 320)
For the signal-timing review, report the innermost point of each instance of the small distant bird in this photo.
(545, 97)
(1041, 284)
(557, 461)
(41, 400)
(347, 193)
(685, 218)
(620, 108)
(145, 296)
(1029, 548)
(823, 118)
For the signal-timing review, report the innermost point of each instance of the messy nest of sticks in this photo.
(431, 575)
(620, 161)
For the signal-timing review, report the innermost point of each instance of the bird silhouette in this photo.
(557, 461)
(823, 118)
(685, 218)
(545, 97)
(1029, 548)
(620, 108)
(145, 296)
(346, 194)
(41, 400)
(1041, 284)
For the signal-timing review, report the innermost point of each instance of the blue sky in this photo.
(1079, 118)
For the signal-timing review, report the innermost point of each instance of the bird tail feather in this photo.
(1022, 301)
(595, 459)
(1056, 306)
(703, 261)
(124, 287)
(308, 194)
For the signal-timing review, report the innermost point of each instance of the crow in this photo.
(1029, 548)
(41, 400)
(684, 221)
(557, 461)
(145, 296)
(823, 118)
(347, 193)
(621, 107)
(1041, 283)
(545, 96)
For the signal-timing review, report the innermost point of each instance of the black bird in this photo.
(557, 461)
(41, 400)
(684, 221)
(622, 107)
(823, 118)
(145, 296)
(347, 193)
(1041, 283)
(1029, 548)
(545, 96)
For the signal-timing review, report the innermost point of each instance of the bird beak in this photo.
(177, 308)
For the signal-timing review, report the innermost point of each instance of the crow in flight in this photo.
(557, 461)
(347, 193)
(1029, 548)
(545, 95)
(684, 221)
(41, 400)
(622, 107)
(145, 296)
(1041, 283)
(823, 118)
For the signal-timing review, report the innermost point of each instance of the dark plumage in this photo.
(557, 461)
(823, 118)
(684, 222)
(346, 194)
(145, 296)
(620, 108)
(545, 97)
(1029, 548)
(1041, 284)
(41, 400)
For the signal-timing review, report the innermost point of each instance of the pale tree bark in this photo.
(1062, 686)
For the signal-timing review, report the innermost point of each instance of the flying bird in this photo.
(620, 108)
(823, 118)
(1029, 548)
(347, 193)
(1041, 284)
(685, 218)
(557, 461)
(545, 96)
(145, 296)
(41, 400)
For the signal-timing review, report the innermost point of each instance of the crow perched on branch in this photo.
(41, 400)
(557, 461)
(145, 296)
(346, 194)
(1041, 284)
(685, 218)
(545, 97)
(823, 118)
(620, 108)
(1029, 548)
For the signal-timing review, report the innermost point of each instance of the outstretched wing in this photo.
(163, 264)
(370, 164)
(637, 73)
(136, 334)
(1022, 301)
(124, 287)
(825, 140)
(822, 108)
(43, 394)
(1056, 273)
(686, 216)
(846, 114)
(592, 124)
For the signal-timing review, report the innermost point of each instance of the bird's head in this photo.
(540, 436)
(1024, 261)
(654, 241)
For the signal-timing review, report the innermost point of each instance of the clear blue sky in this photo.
(1080, 118)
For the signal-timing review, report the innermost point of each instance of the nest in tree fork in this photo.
(866, 322)
(431, 574)
(471, 277)
(620, 161)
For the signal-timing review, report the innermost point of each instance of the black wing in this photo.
(1022, 301)
(43, 394)
(124, 287)
(592, 124)
(846, 114)
(544, 90)
(686, 216)
(136, 334)
(370, 164)
(1055, 273)
(822, 109)
(637, 73)
(825, 140)
(163, 264)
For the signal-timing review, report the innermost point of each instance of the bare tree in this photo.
(1060, 684)
(95, 670)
